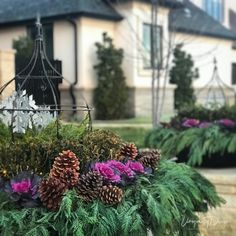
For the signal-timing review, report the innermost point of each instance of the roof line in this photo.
(182, 30)
(62, 16)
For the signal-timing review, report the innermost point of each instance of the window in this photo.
(149, 59)
(47, 36)
(234, 73)
(214, 8)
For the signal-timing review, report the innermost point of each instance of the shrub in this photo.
(182, 74)
(111, 94)
(205, 114)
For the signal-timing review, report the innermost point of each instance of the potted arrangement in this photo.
(198, 136)
(92, 183)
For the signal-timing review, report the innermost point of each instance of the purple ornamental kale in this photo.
(23, 189)
(227, 123)
(121, 168)
(107, 172)
(136, 166)
(190, 123)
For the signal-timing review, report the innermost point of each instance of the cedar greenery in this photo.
(159, 204)
(110, 96)
(194, 145)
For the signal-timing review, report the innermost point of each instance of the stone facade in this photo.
(143, 98)
(138, 104)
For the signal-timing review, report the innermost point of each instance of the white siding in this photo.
(129, 37)
(203, 50)
(90, 32)
(63, 37)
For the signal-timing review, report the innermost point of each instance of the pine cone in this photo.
(66, 168)
(89, 185)
(50, 192)
(150, 158)
(128, 150)
(111, 194)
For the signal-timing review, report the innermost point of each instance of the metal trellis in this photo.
(40, 79)
(214, 91)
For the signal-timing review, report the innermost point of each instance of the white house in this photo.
(73, 27)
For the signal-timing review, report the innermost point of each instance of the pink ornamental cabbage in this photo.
(121, 168)
(21, 187)
(190, 123)
(135, 166)
(107, 172)
(227, 123)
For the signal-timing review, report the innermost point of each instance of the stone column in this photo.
(7, 71)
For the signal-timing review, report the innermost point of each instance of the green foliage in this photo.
(36, 151)
(24, 49)
(23, 46)
(205, 114)
(66, 131)
(101, 145)
(5, 134)
(110, 96)
(160, 204)
(196, 146)
(182, 74)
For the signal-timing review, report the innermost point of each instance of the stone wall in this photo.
(7, 71)
(138, 104)
(143, 101)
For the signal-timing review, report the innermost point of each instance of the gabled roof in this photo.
(193, 20)
(18, 11)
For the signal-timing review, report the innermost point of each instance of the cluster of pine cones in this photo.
(149, 157)
(64, 175)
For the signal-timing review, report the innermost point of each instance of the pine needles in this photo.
(165, 203)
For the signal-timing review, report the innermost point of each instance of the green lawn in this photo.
(133, 121)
